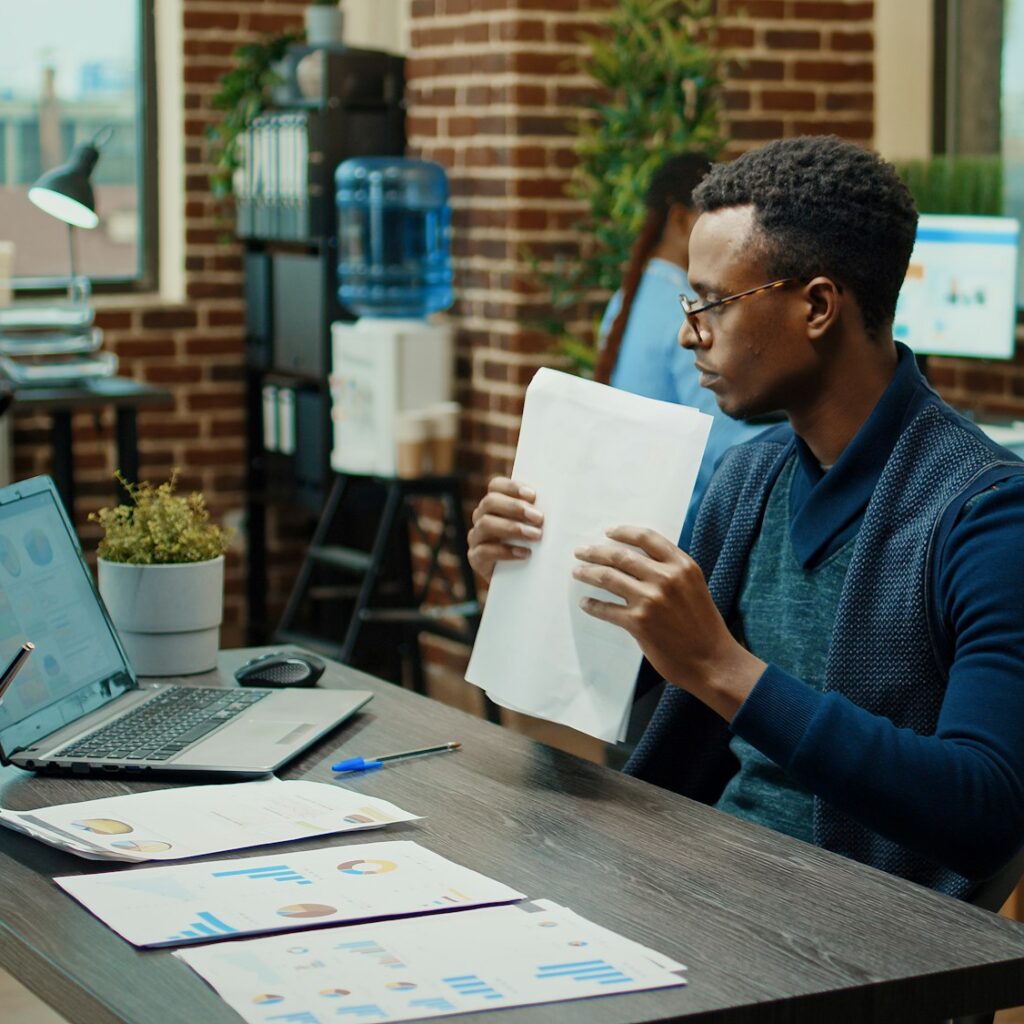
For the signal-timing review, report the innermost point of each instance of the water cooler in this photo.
(392, 368)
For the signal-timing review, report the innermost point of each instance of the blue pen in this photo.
(365, 764)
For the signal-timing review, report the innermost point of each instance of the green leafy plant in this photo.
(658, 74)
(955, 184)
(243, 93)
(159, 527)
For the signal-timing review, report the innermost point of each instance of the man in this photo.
(845, 647)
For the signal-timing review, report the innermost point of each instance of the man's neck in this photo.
(851, 390)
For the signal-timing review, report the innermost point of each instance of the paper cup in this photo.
(412, 432)
(444, 435)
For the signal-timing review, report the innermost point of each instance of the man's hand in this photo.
(670, 613)
(506, 514)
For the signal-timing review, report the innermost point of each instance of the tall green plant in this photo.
(955, 184)
(659, 76)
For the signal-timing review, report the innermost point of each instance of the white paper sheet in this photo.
(181, 904)
(430, 967)
(190, 821)
(597, 458)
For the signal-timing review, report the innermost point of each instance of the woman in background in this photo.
(640, 350)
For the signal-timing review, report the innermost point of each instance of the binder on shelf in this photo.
(284, 187)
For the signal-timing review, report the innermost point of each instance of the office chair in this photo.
(991, 895)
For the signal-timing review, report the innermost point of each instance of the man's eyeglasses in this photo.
(692, 308)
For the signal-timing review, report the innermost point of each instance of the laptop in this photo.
(77, 707)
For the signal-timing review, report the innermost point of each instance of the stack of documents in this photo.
(486, 959)
(172, 824)
(597, 458)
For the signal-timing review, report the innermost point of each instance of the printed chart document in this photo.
(179, 904)
(597, 458)
(172, 824)
(429, 967)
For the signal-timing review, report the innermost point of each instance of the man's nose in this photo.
(689, 338)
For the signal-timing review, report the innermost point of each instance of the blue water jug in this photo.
(393, 237)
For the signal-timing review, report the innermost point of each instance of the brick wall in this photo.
(493, 91)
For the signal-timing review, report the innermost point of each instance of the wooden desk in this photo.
(122, 393)
(772, 930)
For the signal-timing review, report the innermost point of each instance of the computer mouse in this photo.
(281, 668)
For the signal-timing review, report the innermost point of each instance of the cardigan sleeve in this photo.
(956, 796)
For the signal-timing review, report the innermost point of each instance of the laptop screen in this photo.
(47, 596)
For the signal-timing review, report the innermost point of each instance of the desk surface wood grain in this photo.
(772, 930)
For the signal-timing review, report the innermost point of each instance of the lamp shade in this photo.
(65, 192)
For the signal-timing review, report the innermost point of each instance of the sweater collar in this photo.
(826, 508)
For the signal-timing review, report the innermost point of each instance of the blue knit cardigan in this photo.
(889, 655)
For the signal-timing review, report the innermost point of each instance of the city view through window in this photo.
(67, 70)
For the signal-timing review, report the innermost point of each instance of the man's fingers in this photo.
(650, 541)
(504, 506)
(490, 529)
(626, 559)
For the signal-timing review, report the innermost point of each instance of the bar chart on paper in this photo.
(427, 967)
(178, 904)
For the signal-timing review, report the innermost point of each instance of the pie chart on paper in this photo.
(307, 910)
(367, 867)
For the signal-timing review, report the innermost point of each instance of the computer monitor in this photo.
(959, 297)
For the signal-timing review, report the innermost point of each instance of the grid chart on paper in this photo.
(275, 872)
(302, 1017)
(471, 985)
(206, 926)
(583, 970)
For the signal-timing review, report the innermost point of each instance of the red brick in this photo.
(275, 24)
(787, 99)
(759, 130)
(754, 70)
(792, 40)
(168, 318)
(199, 401)
(733, 35)
(844, 42)
(736, 99)
(527, 31)
(832, 71)
(205, 19)
(172, 374)
(541, 63)
(850, 101)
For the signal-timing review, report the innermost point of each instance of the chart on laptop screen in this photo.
(46, 597)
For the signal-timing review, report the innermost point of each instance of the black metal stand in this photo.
(405, 608)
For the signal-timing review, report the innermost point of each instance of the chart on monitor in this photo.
(959, 297)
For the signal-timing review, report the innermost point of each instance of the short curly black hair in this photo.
(824, 206)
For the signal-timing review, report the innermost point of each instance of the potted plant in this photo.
(161, 576)
(324, 23)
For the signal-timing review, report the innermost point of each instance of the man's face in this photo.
(753, 354)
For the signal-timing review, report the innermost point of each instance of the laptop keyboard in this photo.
(164, 726)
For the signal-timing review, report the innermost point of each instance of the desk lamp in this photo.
(65, 192)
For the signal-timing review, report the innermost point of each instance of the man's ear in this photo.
(824, 303)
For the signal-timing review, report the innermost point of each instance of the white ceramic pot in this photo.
(168, 616)
(324, 25)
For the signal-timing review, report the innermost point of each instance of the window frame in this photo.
(147, 275)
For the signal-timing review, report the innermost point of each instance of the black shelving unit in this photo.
(286, 220)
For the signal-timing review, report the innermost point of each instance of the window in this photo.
(68, 70)
(979, 89)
